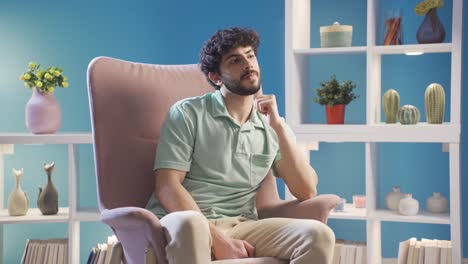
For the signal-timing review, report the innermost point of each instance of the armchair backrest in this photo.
(128, 104)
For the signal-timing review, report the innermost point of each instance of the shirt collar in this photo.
(218, 108)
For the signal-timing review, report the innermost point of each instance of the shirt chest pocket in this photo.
(260, 164)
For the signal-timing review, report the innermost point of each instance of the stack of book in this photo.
(426, 251)
(349, 252)
(52, 251)
(106, 253)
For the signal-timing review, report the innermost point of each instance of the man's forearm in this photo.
(176, 198)
(300, 177)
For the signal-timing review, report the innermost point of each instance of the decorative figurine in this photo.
(48, 197)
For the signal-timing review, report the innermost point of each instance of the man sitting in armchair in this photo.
(216, 152)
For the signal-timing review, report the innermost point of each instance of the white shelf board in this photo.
(350, 213)
(421, 132)
(421, 217)
(88, 214)
(331, 51)
(34, 215)
(402, 49)
(58, 138)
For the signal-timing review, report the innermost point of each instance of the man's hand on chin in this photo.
(266, 105)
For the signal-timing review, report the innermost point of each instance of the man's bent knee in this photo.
(319, 242)
(186, 221)
(188, 238)
(323, 234)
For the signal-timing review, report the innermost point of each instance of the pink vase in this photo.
(42, 113)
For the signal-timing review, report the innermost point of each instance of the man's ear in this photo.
(214, 77)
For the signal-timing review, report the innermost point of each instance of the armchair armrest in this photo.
(317, 208)
(136, 228)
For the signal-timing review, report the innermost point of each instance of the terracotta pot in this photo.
(335, 113)
(42, 113)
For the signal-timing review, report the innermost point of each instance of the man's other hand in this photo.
(229, 248)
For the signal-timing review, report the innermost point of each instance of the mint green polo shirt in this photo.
(225, 162)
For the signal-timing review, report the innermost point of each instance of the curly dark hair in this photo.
(221, 43)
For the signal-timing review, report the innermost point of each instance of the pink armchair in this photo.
(128, 103)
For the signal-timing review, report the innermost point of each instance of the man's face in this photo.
(239, 71)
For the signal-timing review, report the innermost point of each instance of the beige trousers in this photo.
(297, 240)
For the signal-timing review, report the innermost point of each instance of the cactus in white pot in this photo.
(435, 103)
(391, 104)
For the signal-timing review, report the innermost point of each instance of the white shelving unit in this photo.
(71, 215)
(297, 53)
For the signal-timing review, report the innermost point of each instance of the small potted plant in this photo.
(42, 110)
(335, 96)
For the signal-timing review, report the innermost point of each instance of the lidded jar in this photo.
(408, 205)
(437, 203)
(392, 199)
(336, 35)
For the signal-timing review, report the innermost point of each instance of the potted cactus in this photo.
(335, 96)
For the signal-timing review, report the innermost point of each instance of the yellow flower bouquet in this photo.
(44, 80)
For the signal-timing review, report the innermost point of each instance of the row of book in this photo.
(426, 251)
(50, 251)
(106, 253)
(349, 252)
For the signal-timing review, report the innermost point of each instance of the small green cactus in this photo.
(391, 104)
(435, 103)
(409, 115)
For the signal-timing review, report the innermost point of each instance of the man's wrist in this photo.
(278, 125)
(216, 235)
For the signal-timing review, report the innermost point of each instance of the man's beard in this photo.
(236, 87)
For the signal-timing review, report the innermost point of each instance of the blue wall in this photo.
(172, 32)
